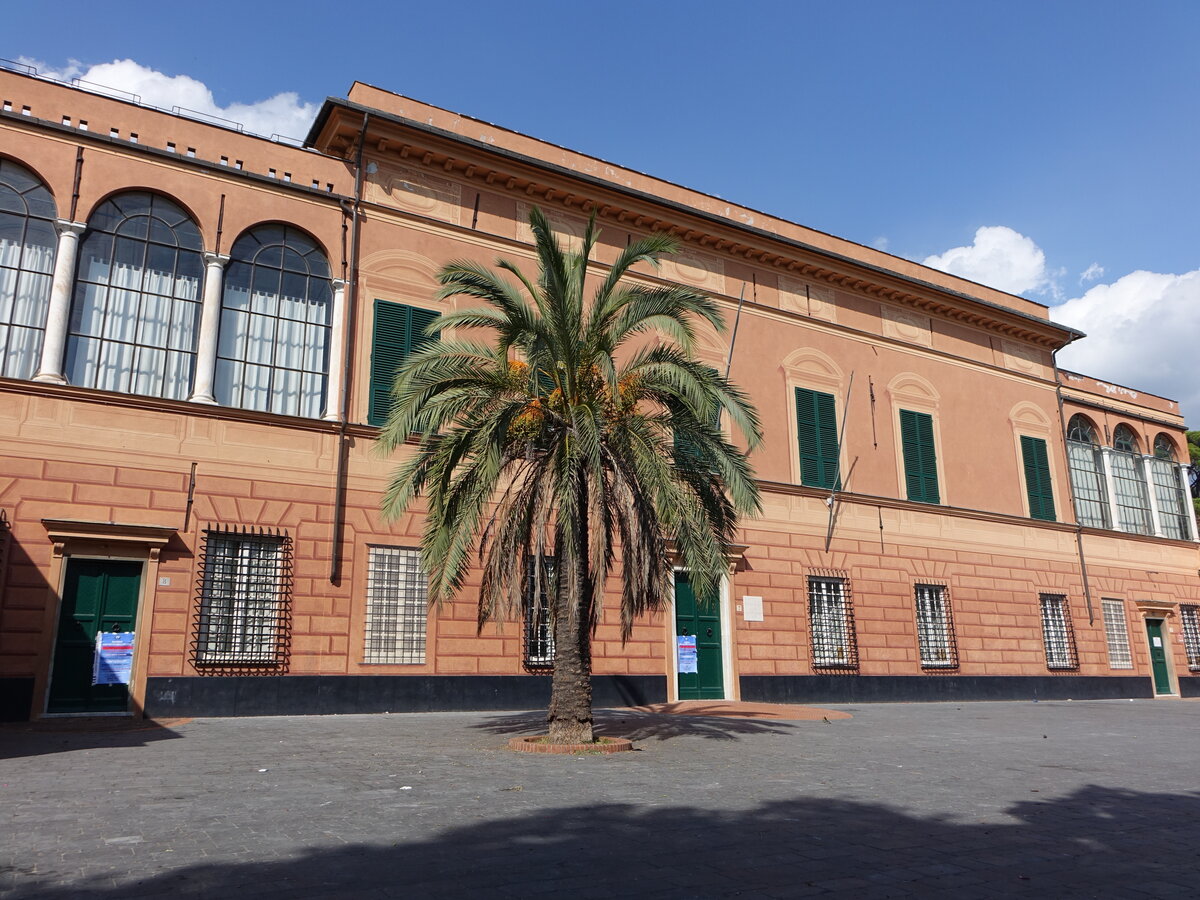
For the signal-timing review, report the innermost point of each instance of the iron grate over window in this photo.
(397, 606)
(1058, 635)
(538, 614)
(1116, 633)
(935, 628)
(242, 615)
(831, 623)
(1189, 616)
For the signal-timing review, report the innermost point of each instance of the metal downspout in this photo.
(339, 502)
(1062, 424)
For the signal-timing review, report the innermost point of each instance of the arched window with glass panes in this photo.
(1170, 492)
(1129, 483)
(1087, 474)
(136, 309)
(27, 246)
(276, 310)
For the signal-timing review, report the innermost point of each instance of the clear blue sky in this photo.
(903, 124)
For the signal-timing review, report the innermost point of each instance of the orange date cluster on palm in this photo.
(590, 387)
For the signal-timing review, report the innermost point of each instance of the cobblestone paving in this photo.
(1087, 799)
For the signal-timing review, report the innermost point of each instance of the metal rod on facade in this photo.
(831, 501)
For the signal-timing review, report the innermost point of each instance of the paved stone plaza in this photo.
(1088, 799)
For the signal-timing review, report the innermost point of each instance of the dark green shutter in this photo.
(399, 330)
(1037, 478)
(920, 458)
(816, 431)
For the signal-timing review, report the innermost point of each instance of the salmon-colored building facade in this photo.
(197, 331)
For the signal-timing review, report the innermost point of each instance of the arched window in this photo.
(1087, 474)
(1164, 447)
(1124, 439)
(275, 319)
(27, 245)
(1170, 490)
(1081, 429)
(137, 298)
(1129, 483)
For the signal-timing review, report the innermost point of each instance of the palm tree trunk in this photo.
(570, 714)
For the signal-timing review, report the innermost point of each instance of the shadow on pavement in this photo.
(640, 725)
(23, 739)
(1095, 842)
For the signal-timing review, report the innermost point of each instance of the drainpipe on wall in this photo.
(1062, 422)
(339, 501)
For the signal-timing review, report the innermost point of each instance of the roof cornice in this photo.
(504, 169)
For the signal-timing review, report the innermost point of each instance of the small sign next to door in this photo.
(114, 657)
(688, 657)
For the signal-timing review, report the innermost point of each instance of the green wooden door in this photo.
(701, 620)
(98, 595)
(1158, 656)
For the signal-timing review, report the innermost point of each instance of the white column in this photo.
(210, 328)
(54, 343)
(1189, 509)
(1114, 518)
(1148, 477)
(334, 386)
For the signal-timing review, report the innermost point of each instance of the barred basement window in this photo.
(935, 628)
(1057, 633)
(539, 625)
(397, 606)
(1117, 634)
(243, 608)
(1189, 615)
(831, 623)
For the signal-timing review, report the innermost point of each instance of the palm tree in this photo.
(582, 434)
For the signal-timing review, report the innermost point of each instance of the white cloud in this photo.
(1001, 258)
(283, 114)
(1143, 331)
(1094, 272)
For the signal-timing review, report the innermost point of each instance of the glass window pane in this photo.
(161, 233)
(160, 270)
(265, 292)
(121, 322)
(32, 300)
(41, 241)
(12, 237)
(185, 323)
(189, 273)
(135, 228)
(228, 382)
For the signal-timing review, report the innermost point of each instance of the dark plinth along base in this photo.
(303, 695)
(916, 688)
(16, 697)
(1189, 686)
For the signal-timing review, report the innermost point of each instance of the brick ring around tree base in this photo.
(537, 744)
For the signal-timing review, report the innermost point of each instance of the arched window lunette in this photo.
(1081, 429)
(27, 245)
(276, 312)
(1124, 439)
(136, 308)
(1164, 447)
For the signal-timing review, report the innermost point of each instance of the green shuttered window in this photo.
(920, 460)
(399, 330)
(816, 429)
(1037, 478)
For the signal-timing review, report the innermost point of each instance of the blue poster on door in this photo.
(113, 662)
(688, 656)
